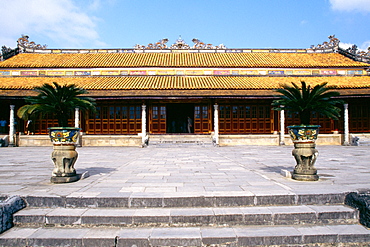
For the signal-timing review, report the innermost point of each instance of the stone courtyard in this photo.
(197, 181)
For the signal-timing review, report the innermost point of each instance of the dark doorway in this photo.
(177, 118)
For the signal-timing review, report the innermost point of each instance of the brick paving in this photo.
(183, 171)
(185, 196)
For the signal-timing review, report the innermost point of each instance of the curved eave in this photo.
(140, 86)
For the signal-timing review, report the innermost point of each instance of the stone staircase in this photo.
(279, 220)
(176, 140)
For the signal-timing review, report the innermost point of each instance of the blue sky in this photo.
(234, 23)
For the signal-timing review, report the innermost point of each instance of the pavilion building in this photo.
(155, 90)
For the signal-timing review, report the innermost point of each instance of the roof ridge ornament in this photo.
(161, 44)
(180, 44)
(333, 44)
(355, 51)
(365, 54)
(200, 45)
(7, 52)
(5, 49)
(358, 55)
(25, 43)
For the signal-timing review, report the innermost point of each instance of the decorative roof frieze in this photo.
(100, 85)
(180, 44)
(274, 72)
(200, 45)
(161, 44)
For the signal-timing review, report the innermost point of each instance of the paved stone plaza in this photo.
(185, 195)
(183, 171)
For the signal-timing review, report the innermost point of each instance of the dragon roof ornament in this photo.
(7, 52)
(180, 44)
(354, 50)
(25, 43)
(333, 44)
(358, 55)
(5, 49)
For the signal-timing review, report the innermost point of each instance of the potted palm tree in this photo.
(59, 101)
(305, 100)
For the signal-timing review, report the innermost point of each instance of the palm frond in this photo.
(57, 100)
(304, 100)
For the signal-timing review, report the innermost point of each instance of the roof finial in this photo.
(180, 44)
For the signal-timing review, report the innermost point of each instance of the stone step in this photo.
(179, 145)
(335, 235)
(179, 140)
(364, 143)
(175, 217)
(159, 200)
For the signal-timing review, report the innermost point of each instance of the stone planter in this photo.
(64, 154)
(304, 151)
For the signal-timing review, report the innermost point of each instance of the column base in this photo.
(60, 180)
(305, 177)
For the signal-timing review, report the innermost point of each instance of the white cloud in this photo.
(60, 20)
(95, 5)
(363, 47)
(345, 45)
(351, 5)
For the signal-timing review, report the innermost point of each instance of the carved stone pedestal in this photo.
(305, 155)
(64, 158)
(304, 152)
(64, 154)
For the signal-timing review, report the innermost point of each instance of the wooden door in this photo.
(202, 119)
(134, 119)
(115, 119)
(158, 117)
(225, 119)
(245, 119)
(359, 116)
(105, 120)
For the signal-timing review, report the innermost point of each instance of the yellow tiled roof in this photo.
(200, 60)
(183, 82)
